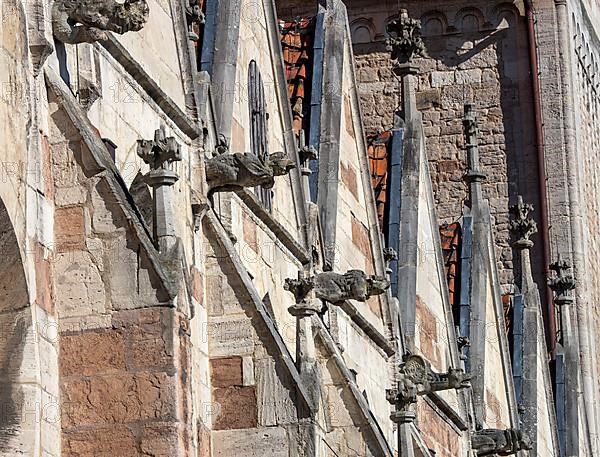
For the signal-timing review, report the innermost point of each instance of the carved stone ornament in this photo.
(87, 21)
(404, 39)
(563, 283)
(337, 288)
(417, 378)
(228, 172)
(194, 16)
(159, 152)
(522, 225)
(500, 442)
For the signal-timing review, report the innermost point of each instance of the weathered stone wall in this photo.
(475, 54)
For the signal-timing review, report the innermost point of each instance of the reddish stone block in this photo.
(237, 408)
(348, 177)
(226, 372)
(43, 281)
(69, 229)
(197, 285)
(204, 445)
(120, 398)
(360, 237)
(91, 353)
(161, 439)
(348, 117)
(437, 434)
(249, 229)
(110, 441)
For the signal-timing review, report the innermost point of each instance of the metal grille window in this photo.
(257, 108)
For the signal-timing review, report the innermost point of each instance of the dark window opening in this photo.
(259, 117)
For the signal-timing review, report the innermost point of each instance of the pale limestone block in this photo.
(442, 78)
(78, 286)
(468, 76)
(271, 441)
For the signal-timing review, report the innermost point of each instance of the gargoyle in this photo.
(227, 172)
(417, 378)
(337, 288)
(500, 442)
(87, 21)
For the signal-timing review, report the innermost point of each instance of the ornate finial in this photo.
(404, 39)
(522, 225)
(389, 255)
(471, 129)
(563, 283)
(417, 378)
(160, 152)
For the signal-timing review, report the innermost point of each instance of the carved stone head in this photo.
(458, 379)
(280, 163)
(376, 285)
(129, 16)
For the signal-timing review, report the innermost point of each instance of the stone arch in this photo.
(469, 20)
(505, 11)
(17, 421)
(362, 30)
(434, 23)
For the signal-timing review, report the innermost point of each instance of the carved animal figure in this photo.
(500, 442)
(336, 288)
(353, 285)
(87, 21)
(227, 172)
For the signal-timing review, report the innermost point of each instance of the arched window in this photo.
(257, 108)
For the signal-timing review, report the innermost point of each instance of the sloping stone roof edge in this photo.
(219, 234)
(331, 348)
(101, 164)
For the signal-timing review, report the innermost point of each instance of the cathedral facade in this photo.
(299, 229)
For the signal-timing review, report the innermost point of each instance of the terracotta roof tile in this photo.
(378, 148)
(297, 38)
(451, 238)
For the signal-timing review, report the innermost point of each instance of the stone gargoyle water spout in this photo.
(500, 442)
(234, 171)
(337, 288)
(87, 21)
(417, 378)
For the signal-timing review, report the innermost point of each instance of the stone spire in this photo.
(474, 176)
(563, 283)
(160, 153)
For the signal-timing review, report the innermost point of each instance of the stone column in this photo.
(582, 312)
(525, 227)
(160, 154)
(306, 359)
(474, 176)
(563, 285)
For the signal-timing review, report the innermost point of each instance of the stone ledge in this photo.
(369, 329)
(278, 230)
(123, 57)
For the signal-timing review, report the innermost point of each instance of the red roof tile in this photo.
(297, 39)
(451, 238)
(378, 144)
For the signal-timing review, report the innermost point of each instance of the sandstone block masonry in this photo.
(486, 67)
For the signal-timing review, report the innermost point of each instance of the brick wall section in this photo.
(119, 388)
